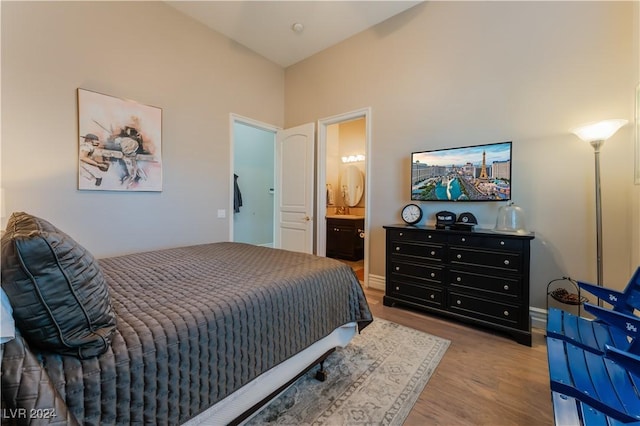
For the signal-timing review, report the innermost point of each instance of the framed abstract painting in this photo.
(120, 144)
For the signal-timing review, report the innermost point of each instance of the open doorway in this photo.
(343, 182)
(253, 167)
(273, 175)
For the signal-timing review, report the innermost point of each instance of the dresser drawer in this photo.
(488, 310)
(507, 287)
(433, 252)
(415, 293)
(490, 259)
(498, 242)
(421, 272)
(416, 235)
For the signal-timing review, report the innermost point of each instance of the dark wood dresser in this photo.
(479, 277)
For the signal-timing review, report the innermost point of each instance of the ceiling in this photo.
(266, 27)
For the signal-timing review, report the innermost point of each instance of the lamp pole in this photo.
(596, 147)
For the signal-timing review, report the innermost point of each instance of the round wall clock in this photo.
(411, 214)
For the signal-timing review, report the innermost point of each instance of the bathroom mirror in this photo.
(351, 185)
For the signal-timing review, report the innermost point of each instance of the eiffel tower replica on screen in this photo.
(483, 170)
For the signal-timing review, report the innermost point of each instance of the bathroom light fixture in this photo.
(596, 134)
(353, 158)
(297, 27)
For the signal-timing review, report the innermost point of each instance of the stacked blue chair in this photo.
(594, 335)
(608, 383)
(570, 411)
(594, 365)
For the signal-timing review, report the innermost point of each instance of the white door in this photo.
(294, 186)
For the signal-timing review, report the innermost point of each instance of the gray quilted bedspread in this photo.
(194, 325)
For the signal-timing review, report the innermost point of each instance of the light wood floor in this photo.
(485, 378)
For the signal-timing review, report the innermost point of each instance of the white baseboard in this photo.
(376, 281)
(538, 317)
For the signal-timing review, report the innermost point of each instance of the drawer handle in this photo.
(432, 296)
(459, 302)
(433, 274)
(463, 239)
(501, 243)
(506, 313)
(397, 248)
(459, 256)
(433, 253)
(459, 279)
(401, 234)
(506, 262)
(429, 236)
(506, 287)
(397, 268)
(398, 288)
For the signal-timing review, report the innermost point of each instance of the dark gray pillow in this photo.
(59, 295)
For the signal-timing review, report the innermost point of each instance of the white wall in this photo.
(147, 52)
(446, 74)
(333, 166)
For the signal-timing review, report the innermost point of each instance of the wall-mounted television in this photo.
(469, 173)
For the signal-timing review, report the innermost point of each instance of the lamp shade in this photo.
(599, 131)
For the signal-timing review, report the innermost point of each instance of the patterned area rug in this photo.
(376, 379)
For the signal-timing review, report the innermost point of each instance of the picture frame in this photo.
(119, 144)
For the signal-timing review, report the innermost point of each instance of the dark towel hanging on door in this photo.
(237, 195)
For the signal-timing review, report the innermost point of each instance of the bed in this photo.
(193, 334)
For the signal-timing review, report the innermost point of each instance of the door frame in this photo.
(321, 181)
(233, 119)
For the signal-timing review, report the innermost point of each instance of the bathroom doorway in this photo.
(343, 182)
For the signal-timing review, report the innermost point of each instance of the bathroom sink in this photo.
(345, 216)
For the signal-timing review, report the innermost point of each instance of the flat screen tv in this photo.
(469, 173)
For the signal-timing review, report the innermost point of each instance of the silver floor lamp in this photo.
(596, 134)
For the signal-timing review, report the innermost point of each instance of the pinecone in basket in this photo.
(565, 296)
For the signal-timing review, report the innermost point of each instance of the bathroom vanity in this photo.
(345, 237)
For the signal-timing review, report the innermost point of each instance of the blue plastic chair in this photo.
(609, 383)
(625, 301)
(611, 328)
(571, 411)
(595, 335)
